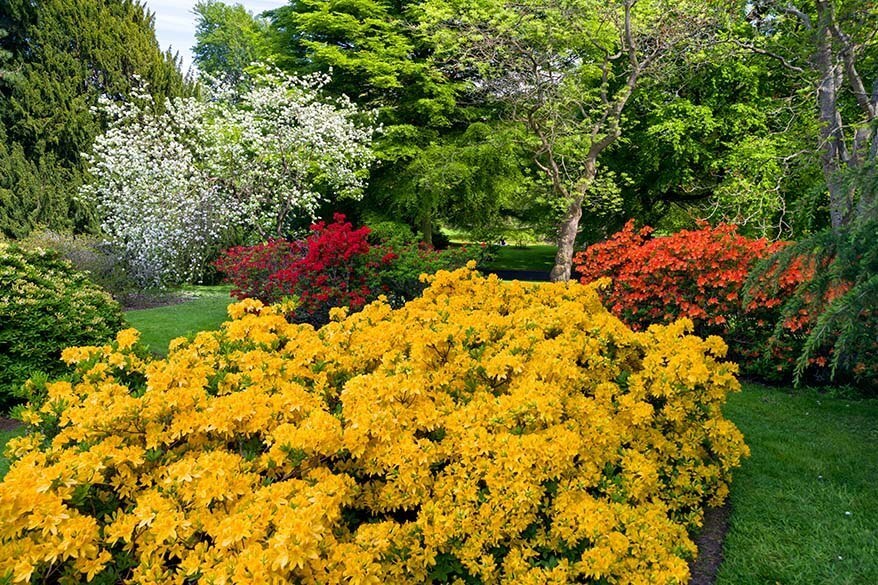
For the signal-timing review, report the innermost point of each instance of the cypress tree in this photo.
(57, 57)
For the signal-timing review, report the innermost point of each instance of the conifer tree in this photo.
(56, 58)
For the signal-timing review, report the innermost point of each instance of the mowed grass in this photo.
(537, 257)
(805, 504)
(160, 325)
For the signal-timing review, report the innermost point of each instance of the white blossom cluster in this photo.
(170, 180)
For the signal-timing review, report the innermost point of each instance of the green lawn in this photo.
(805, 505)
(160, 325)
(538, 257)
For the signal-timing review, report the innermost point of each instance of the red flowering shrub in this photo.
(335, 266)
(333, 271)
(700, 274)
(249, 268)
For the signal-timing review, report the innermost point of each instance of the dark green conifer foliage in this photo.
(56, 58)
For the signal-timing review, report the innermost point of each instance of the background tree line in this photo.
(563, 119)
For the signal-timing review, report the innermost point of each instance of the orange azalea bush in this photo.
(701, 275)
(488, 432)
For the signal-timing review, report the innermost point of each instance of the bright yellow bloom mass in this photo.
(489, 431)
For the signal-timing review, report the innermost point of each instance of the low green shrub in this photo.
(45, 306)
(391, 232)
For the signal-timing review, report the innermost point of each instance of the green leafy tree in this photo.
(468, 180)
(60, 56)
(712, 139)
(228, 38)
(829, 49)
(566, 71)
(440, 157)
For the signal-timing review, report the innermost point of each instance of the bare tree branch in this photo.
(780, 58)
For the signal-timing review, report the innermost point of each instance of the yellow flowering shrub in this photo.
(488, 432)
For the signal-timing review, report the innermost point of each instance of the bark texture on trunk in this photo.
(427, 231)
(833, 151)
(566, 240)
(569, 226)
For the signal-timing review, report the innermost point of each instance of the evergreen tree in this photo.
(60, 56)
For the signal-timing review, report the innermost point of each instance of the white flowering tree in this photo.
(283, 148)
(170, 180)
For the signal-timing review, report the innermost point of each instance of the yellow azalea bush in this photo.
(488, 432)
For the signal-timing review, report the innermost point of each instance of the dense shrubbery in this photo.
(487, 432)
(335, 266)
(701, 275)
(45, 306)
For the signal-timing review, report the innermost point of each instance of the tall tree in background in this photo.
(382, 59)
(830, 47)
(228, 38)
(721, 137)
(60, 56)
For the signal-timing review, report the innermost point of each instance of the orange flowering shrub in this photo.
(488, 432)
(700, 275)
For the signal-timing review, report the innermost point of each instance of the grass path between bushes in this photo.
(205, 312)
(805, 504)
(536, 257)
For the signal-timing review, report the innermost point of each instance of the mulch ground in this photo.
(710, 545)
(151, 300)
(8, 424)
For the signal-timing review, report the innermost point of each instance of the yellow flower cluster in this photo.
(488, 432)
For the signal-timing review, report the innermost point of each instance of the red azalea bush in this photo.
(333, 272)
(250, 268)
(700, 274)
(335, 266)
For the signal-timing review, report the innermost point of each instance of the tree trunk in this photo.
(569, 226)
(832, 146)
(566, 239)
(427, 230)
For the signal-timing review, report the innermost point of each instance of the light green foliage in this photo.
(565, 72)
(711, 137)
(45, 306)
(466, 180)
(63, 55)
(438, 160)
(824, 53)
(377, 57)
(228, 38)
